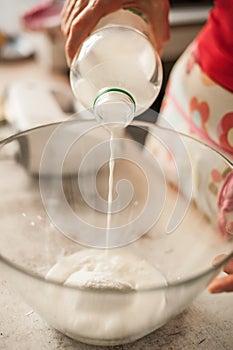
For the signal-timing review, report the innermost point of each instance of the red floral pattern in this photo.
(225, 205)
(216, 175)
(225, 132)
(199, 113)
(190, 63)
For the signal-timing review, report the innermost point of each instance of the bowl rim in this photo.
(169, 285)
(136, 122)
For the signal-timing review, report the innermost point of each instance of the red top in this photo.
(215, 44)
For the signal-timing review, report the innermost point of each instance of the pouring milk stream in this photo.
(118, 74)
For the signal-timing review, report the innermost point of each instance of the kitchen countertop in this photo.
(206, 324)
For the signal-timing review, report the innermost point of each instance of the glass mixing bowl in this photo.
(54, 190)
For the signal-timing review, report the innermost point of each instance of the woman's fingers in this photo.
(157, 15)
(228, 268)
(223, 284)
(159, 23)
(83, 24)
(65, 13)
(67, 8)
(79, 30)
(219, 285)
(75, 8)
(79, 18)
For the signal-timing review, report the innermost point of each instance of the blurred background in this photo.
(10, 12)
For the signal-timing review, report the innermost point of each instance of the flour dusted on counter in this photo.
(110, 300)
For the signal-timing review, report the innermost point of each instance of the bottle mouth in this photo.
(105, 91)
(114, 105)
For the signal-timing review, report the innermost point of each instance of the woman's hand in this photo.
(223, 284)
(79, 18)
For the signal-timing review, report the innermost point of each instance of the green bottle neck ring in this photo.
(103, 92)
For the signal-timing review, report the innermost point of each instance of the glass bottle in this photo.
(117, 71)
